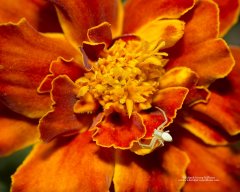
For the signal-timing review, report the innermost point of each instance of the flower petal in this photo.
(224, 101)
(199, 44)
(219, 167)
(62, 120)
(203, 128)
(229, 12)
(25, 57)
(185, 77)
(17, 132)
(169, 100)
(169, 31)
(134, 9)
(196, 95)
(179, 76)
(92, 51)
(76, 17)
(158, 171)
(100, 33)
(66, 165)
(61, 67)
(215, 52)
(119, 130)
(35, 11)
(202, 23)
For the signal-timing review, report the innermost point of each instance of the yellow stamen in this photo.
(129, 105)
(128, 75)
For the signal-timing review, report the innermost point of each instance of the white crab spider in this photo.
(158, 134)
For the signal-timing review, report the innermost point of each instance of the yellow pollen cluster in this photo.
(126, 77)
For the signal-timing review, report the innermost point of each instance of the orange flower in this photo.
(117, 79)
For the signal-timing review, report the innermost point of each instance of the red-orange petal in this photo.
(136, 15)
(161, 170)
(25, 57)
(202, 23)
(119, 130)
(70, 164)
(223, 110)
(203, 127)
(169, 100)
(62, 120)
(77, 16)
(211, 122)
(210, 59)
(40, 14)
(100, 33)
(61, 67)
(212, 168)
(197, 95)
(185, 77)
(17, 132)
(229, 13)
(153, 120)
(92, 51)
(224, 101)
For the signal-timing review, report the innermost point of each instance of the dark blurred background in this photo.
(233, 36)
(9, 164)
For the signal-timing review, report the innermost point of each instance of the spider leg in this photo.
(150, 145)
(161, 142)
(165, 119)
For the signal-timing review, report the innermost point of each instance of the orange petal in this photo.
(17, 132)
(202, 23)
(185, 77)
(169, 31)
(153, 120)
(66, 165)
(203, 127)
(119, 130)
(213, 168)
(61, 67)
(224, 101)
(229, 12)
(197, 95)
(139, 13)
(76, 17)
(25, 57)
(62, 120)
(161, 170)
(92, 51)
(170, 100)
(100, 33)
(86, 104)
(179, 76)
(220, 112)
(211, 60)
(39, 13)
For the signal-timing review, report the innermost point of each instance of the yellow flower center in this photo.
(126, 76)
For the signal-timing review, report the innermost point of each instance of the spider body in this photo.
(158, 134)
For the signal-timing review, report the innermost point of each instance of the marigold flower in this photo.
(101, 98)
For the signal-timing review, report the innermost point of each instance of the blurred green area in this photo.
(233, 36)
(9, 164)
